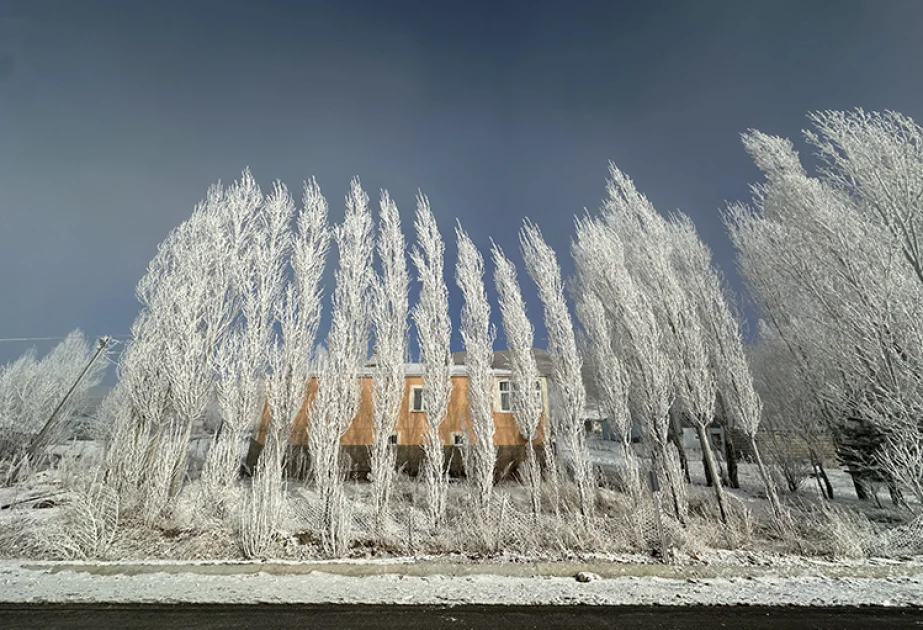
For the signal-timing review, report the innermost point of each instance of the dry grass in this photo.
(906, 540)
(90, 522)
(81, 521)
(826, 530)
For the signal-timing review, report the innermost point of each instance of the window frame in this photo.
(413, 396)
(537, 391)
(508, 392)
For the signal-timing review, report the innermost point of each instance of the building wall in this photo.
(411, 426)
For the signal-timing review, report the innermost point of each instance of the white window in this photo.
(416, 398)
(505, 405)
(506, 391)
(458, 439)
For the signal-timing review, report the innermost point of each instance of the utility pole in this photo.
(38, 442)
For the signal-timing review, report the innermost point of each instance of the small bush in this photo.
(261, 511)
(829, 530)
(906, 540)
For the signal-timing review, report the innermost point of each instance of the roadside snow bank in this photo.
(19, 583)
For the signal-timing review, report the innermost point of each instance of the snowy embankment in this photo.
(833, 584)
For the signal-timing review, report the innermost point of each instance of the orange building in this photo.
(411, 424)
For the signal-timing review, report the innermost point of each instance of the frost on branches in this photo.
(525, 404)
(389, 317)
(600, 261)
(478, 337)
(567, 370)
(262, 229)
(434, 333)
(231, 307)
(297, 317)
(611, 382)
(138, 408)
(35, 408)
(337, 399)
(833, 262)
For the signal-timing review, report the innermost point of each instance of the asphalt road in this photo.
(268, 617)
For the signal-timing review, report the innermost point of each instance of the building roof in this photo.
(416, 369)
(502, 360)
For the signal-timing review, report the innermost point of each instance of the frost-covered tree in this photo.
(18, 419)
(262, 228)
(654, 257)
(188, 295)
(389, 317)
(337, 399)
(876, 160)
(38, 406)
(696, 383)
(720, 330)
(789, 412)
(296, 320)
(434, 332)
(833, 264)
(525, 404)
(478, 337)
(611, 383)
(567, 365)
(139, 406)
(642, 346)
(649, 247)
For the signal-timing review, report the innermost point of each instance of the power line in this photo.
(55, 338)
(31, 338)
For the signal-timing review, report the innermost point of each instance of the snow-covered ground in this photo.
(55, 582)
(153, 564)
(605, 454)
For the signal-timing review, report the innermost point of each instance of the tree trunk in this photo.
(631, 476)
(713, 468)
(150, 453)
(861, 492)
(551, 469)
(897, 497)
(826, 488)
(659, 457)
(182, 462)
(820, 484)
(730, 453)
(771, 493)
(724, 478)
(823, 475)
(382, 459)
(677, 438)
(222, 461)
(709, 480)
(534, 476)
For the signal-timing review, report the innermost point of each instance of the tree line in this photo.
(646, 327)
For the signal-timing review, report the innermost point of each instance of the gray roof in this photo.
(502, 360)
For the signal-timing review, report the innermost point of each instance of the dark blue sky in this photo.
(116, 116)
